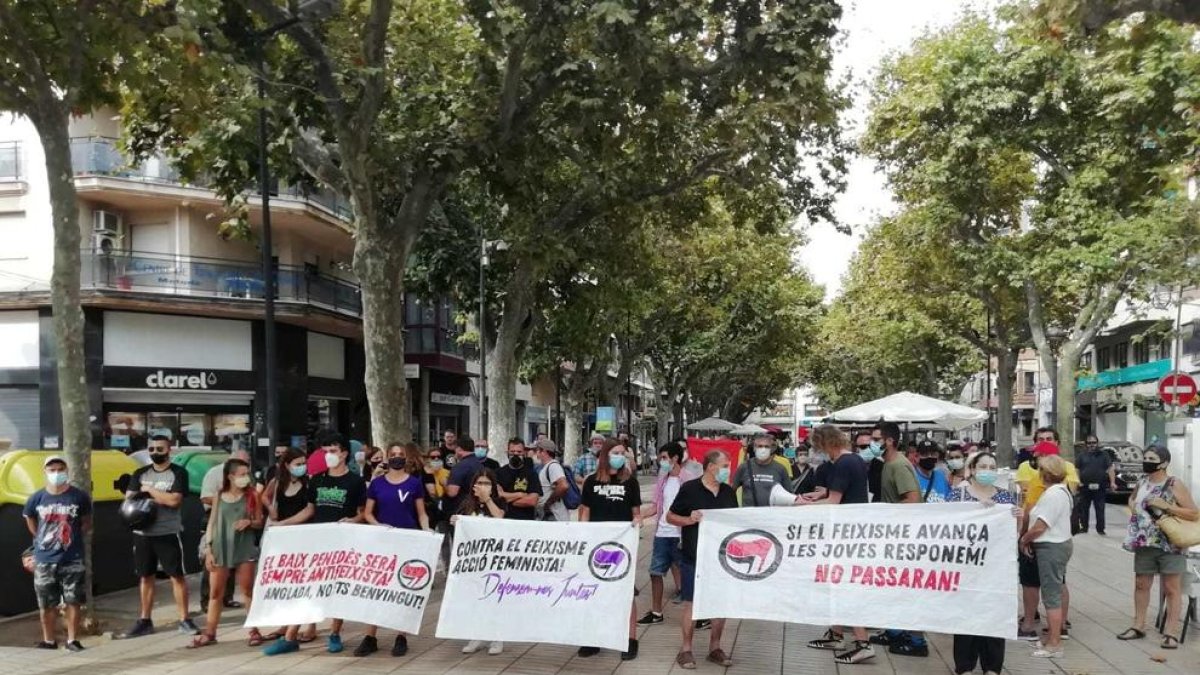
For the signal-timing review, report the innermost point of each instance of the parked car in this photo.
(1128, 459)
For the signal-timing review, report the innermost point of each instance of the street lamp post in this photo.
(1055, 336)
(483, 261)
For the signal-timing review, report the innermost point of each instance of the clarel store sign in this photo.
(178, 379)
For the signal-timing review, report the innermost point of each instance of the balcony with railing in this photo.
(155, 273)
(100, 156)
(431, 331)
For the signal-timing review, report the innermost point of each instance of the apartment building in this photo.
(173, 311)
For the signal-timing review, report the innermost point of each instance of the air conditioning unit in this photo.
(108, 232)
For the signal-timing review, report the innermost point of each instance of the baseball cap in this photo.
(1046, 448)
(52, 459)
(927, 446)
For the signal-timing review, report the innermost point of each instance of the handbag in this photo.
(1181, 533)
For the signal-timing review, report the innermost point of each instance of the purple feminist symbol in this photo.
(608, 559)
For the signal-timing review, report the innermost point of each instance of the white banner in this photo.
(530, 581)
(366, 573)
(945, 568)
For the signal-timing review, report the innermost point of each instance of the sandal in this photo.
(272, 636)
(686, 661)
(256, 638)
(1132, 634)
(305, 638)
(1170, 642)
(719, 657)
(861, 651)
(203, 640)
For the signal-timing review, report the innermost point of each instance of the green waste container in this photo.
(197, 463)
(21, 474)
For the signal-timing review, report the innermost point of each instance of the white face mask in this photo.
(360, 457)
(762, 454)
(241, 482)
(332, 460)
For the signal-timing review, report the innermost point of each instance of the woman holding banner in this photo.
(1049, 536)
(231, 524)
(612, 495)
(980, 487)
(481, 500)
(396, 500)
(287, 501)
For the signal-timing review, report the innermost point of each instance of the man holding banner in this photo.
(710, 491)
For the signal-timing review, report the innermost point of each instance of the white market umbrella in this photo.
(715, 424)
(912, 409)
(749, 430)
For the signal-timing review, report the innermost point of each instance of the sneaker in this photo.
(495, 648)
(400, 646)
(472, 647)
(650, 618)
(677, 599)
(186, 627)
(830, 640)
(42, 644)
(367, 647)
(140, 628)
(281, 646)
(74, 646)
(861, 651)
(1044, 653)
(702, 624)
(1067, 625)
(1029, 635)
(585, 652)
(631, 653)
(909, 648)
(883, 638)
(333, 644)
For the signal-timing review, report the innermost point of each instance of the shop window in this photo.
(126, 431)
(1103, 358)
(1121, 355)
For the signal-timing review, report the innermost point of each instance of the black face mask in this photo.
(397, 463)
(927, 463)
(1151, 467)
(160, 458)
(1033, 463)
(515, 461)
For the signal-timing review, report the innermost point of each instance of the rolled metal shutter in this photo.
(20, 417)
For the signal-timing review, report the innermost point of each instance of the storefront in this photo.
(194, 408)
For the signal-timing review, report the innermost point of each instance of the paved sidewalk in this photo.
(1100, 578)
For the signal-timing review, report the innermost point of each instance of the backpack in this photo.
(573, 498)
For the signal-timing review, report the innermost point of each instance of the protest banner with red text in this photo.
(531, 581)
(376, 575)
(946, 568)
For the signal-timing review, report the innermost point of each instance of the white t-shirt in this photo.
(550, 474)
(1055, 509)
(670, 490)
(211, 485)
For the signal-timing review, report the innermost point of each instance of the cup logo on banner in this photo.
(414, 575)
(751, 555)
(610, 561)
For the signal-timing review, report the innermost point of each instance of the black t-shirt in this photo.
(285, 506)
(875, 478)
(613, 501)
(804, 480)
(337, 497)
(1093, 467)
(821, 474)
(524, 479)
(489, 463)
(693, 495)
(849, 477)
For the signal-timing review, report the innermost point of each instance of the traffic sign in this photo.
(1177, 389)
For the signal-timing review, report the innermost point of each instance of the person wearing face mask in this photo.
(695, 498)
(372, 462)
(58, 516)
(395, 499)
(160, 544)
(435, 476)
(480, 448)
(337, 496)
(287, 503)
(804, 478)
(933, 483)
(980, 487)
(611, 495)
(236, 514)
(756, 477)
(1157, 495)
(1097, 475)
(588, 462)
(956, 464)
(462, 475)
(210, 486)
(868, 443)
(897, 485)
(673, 472)
(518, 484)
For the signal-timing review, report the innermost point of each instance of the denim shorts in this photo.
(687, 580)
(59, 584)
(665, 554)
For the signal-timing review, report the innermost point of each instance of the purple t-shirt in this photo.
(396, 505)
